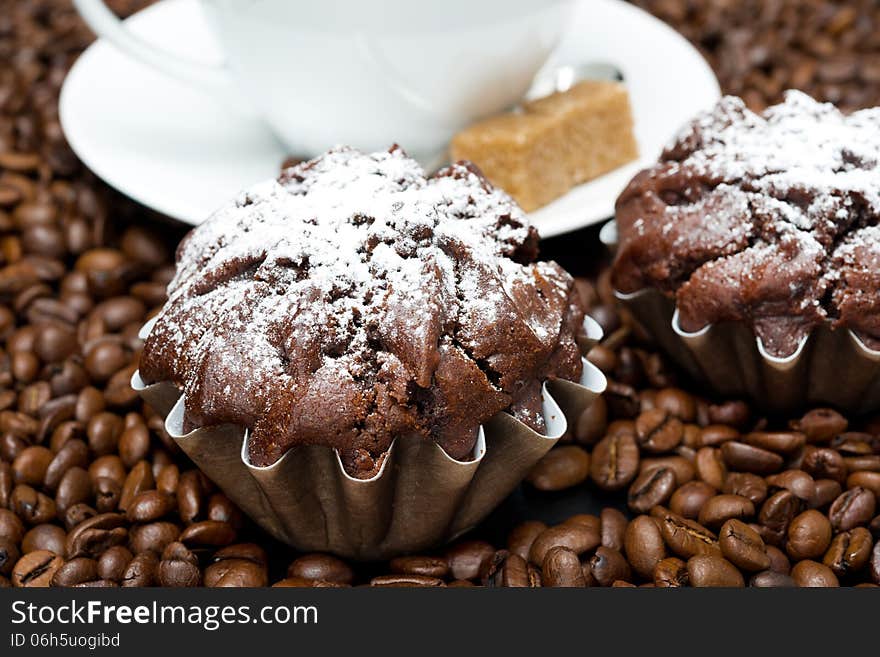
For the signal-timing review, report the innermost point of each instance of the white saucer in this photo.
(178, 151)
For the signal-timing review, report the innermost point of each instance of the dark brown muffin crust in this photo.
(765, 219)
(354, 300)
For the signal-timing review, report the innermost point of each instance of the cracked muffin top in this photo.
(354, 300)
(766, 219)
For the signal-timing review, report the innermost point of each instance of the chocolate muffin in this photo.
(765, 219)
(355, 300)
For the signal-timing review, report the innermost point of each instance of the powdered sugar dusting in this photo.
(346, 222)
(349, 281)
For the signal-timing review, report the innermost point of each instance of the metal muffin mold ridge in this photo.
(420, 497)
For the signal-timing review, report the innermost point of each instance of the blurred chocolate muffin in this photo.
(765, 219)
(355, 300)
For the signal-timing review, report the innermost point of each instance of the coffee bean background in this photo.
(653, 486)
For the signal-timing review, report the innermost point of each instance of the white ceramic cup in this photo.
(367, 73)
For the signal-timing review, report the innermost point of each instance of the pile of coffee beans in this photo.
(717, 494)
(758, 48)
(94, 493)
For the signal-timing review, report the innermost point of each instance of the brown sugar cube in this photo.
(554, 143)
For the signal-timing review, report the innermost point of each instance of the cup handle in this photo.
(211, 78)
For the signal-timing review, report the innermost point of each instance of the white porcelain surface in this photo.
(176, 149)
(361, 73)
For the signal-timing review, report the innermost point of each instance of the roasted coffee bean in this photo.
(76, 571)
(682, 468)
(74, 488)
(746, 458)
(152, 537)
(849, 551)
(11, 446)
(149, 505)
(36, 569)
(603, 358)
(167, 480)
(207, 533)
(592, 423)
(869, 463)
(809, 535)
(74, 453)
(574, 536)
(824, 463)
(562, 568)
(514, 572)
(716, 434)
(615, 462)
(45, 537)
(323, 567)
(769, 579)
(179, 567)
(613, 528)
(747, 485)
(113, 563)
(77, 514)
(55, 342)
(110, 467)
(719, 509)
(32, 506)
(588, 520)
(139, 480)
(93, 536)
(644, 545)
(864, 479)
(820, 425)
(235, 573)
(142, 570)
(521, 538)
(7, 482)
(853, 443)
(713, 570)
(134, 444)
(825, 492)
(415, 565)
(237, 566)
(89, 402)
(678, 403)
(658, 431)
(779, 510)
(854, 507)
(561, 468)
(782, 442)
(650, 489)
(779, 561)
(30, 466)
(710, 467)
(299, 582)
(684, 537)
(670, 572)
(247, 551)
(808, 573)
(9, 554)
(406, 581)
(103, 431)
(688, 500)
(107, 493)
(11, 526)
(796, 481)
(608, 565)
(742, 546)
(190, 496)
